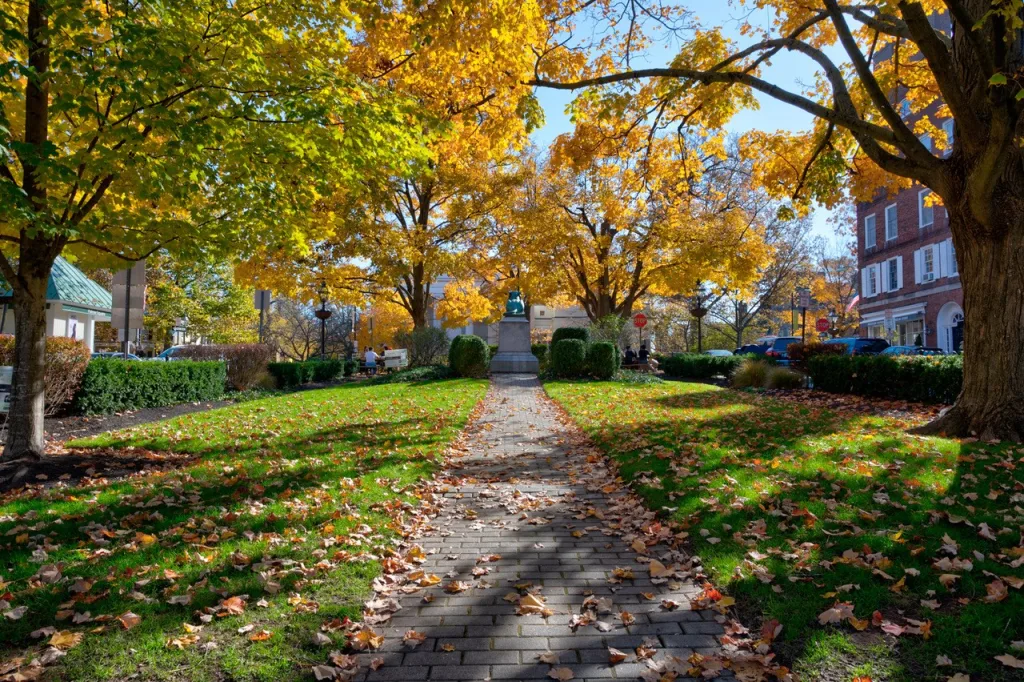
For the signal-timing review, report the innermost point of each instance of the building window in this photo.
(872, 281)
(893, 274)
(926, 140)
(905, 108)
(876, 331)
(952, 259)
(948, 127)
(929, 264)
(890, 223)
(925, 211)
(869, 232)
(910, 333)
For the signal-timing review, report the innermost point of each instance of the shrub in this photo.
(289, 374)
(602, 359)
(246, 362)
(493, 348)
(782, 378)
(65, 362)
(608, 328)
(111, 385)
(426, 346)
(351, 367)
(801, 353)
(916, 378)
(750, 373)
(569, 358)
(325, 370)
(414, 374)
(580, 333)
(469, 356)
(540, 351)
(694, 366)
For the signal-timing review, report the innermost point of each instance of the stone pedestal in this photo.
(514, 354)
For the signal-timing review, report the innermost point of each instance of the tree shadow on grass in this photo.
(799, 487)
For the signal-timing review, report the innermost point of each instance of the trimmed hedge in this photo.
(602, 360)
(697, 366)
(246, 362)
(327, 370)
(540, 351)
(290, 374)
(569, 358)
(65, 361)
(351, 367)
(469, 356)
(920, 379)
(111, 385)
(801, 353)
(580, 333)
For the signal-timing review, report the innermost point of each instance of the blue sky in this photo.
(789, 71)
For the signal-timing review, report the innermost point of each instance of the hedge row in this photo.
(293, 374)
(573, 358)
(916, 378)
(801, 353)
(697, 366)
(469, 356)
(111, 385)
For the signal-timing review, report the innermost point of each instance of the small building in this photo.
(74, 304)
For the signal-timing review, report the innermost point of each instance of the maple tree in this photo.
(834, 286)
(133, 127)
(623, 216)
(909, 65)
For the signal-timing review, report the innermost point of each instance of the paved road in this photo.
(520, 492)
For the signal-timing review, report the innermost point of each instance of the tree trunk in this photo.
(991, 403)
(25, 419)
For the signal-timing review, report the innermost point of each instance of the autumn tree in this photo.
(623, 217)
(906, 65)
(199, 128)
(834, 285)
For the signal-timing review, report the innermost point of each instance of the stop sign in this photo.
(822, 325)
(639, 320)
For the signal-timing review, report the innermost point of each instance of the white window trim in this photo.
(926, 140)
(953, 269)
(874, 241)
(949, 127)
(920, 209)
(896, 224)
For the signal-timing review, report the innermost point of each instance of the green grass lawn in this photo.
(310, 484)
(795, 508)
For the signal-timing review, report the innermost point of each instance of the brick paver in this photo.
(520, 493)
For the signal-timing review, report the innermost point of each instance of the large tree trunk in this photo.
(991, 404)
(25, 419)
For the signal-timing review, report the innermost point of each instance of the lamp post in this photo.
(323, 315)
(833, 317)
(698, 311)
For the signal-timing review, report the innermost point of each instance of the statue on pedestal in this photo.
(514, 340)
(514, 307)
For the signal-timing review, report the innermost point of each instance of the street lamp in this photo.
(698, 311)
(323, 315)
(833, 317)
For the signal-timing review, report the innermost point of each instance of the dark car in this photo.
(752, 349)
(115, 355)
(912, 350)
(779, 350)
(856, 345)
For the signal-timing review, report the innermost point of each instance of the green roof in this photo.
(68, 284)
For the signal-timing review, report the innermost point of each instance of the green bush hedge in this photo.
(801, 353)
(290, 374)
(351, 367)
(921, 379)
(695, 366)
(540, 351)
(111, 385)
(469, 356)
(326, 370)
(569, 358)
(602, 360)
(580, 333)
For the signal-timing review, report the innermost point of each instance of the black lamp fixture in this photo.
(323, 315)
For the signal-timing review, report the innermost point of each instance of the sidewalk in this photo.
(531, 527)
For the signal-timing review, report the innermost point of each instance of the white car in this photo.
(719, 353)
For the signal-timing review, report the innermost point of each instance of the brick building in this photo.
(909, 287)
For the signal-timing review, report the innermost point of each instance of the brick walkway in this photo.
(520, 494)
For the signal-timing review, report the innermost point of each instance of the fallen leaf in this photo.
(562, 674)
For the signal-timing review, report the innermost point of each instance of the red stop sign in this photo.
(639, 320)
(822, 324)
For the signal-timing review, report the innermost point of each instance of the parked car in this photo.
(779, 350)
(169, 354)
(856, 345)
(752, 349)
(912, 350)
(719, 352)
(115, 355)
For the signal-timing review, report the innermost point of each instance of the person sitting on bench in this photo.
(630, 358)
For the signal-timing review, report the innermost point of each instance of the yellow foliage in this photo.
(381, 323)
(462, 304)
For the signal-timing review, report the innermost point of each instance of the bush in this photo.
(782, 378)
(111, 385)
(569, 358)
(602, 360)
(695, 366)
(65, 362)
(469, 356)
(414, 374)
(493, 348)
(290, 374)
(608, 328)
(580, 333)
(750, 373)
(351, 367)
(917, 378)
(326, 370)
(540, 351)
(246, 362)
(801, 353)
(426, 346)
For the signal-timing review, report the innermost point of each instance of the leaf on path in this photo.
(413, 638)
(549, 657)
(562, 674)
(615, 656)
